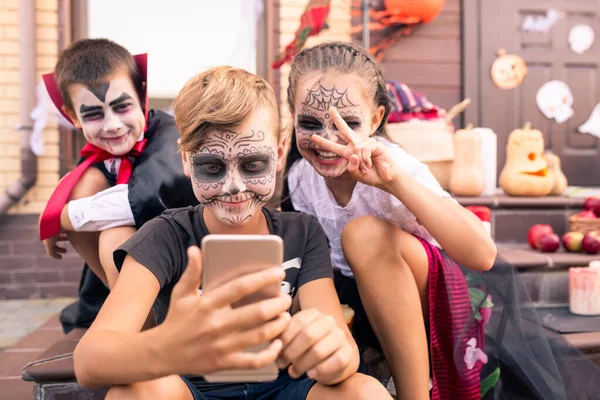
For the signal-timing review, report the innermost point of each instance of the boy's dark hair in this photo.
(90, 61)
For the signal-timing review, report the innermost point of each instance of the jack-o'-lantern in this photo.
(525, 172)
(508, 70)
(467, 176)
(560, 180)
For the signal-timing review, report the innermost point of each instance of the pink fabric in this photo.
(451, 326)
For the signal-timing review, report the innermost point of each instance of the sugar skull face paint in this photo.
(234, 174)
(109, 114)
(314, 96)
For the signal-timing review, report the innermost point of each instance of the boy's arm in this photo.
(106, 209)
(113, 349)
(200, 334)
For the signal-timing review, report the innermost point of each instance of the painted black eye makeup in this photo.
(208, 168)
(309, 123)
(255, 165)
(352, 122)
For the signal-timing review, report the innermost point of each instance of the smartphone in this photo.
(227, 257)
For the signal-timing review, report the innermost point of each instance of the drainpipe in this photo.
(27, 99)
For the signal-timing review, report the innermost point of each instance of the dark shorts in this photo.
(282, 388)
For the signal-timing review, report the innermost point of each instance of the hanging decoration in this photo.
(389, 20)
(541, 23)
(555, 101)
(592, 125)
(508, 70)
(312, 22)
(581, 38)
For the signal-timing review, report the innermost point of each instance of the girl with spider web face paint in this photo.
(313, 118)
(233, 173)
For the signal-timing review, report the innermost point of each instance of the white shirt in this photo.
(309, 193)
(106, 209)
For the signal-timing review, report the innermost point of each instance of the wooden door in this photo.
(490, 25)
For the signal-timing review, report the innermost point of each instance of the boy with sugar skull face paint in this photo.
(129, 166)
(234, 174)
(231, 151)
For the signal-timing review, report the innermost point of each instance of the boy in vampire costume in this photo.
(130, 170)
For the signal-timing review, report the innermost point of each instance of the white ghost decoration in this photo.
(592, 125)
(581, 38)
(555, 101)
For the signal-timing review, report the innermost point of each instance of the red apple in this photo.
(535, 232)
(549, 242)
(572, 241)
(586, 214)
(593, 204)
(591, 242)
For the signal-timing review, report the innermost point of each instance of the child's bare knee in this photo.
(363, 387)
(112, 238)
(91, 182)
(364, 238)
(170, 387)
(362, 230)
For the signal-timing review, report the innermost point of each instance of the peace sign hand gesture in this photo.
(369, 161)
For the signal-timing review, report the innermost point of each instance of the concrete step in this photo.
(513, 216)
(545, 275)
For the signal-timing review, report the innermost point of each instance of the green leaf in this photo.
(477, 296)
(474, 279)
(490, 381)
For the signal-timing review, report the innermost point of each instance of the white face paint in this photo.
(233, 173)
(109, 114)
(314, 96)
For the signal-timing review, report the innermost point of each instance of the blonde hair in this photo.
(220, 98)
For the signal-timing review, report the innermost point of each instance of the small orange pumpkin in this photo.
(525, 172)
(422, 10)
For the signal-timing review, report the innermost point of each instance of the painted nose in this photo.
(112, 123)
(235, 184)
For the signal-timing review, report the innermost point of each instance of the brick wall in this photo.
(47, 50)
(25, 270)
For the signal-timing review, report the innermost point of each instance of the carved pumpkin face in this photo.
(526, 170)
(508, 70)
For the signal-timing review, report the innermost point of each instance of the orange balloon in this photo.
(425, 10)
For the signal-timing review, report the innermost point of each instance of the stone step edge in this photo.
(523, 257)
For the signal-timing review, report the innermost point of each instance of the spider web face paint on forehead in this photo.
(234, 174)
(322, 98)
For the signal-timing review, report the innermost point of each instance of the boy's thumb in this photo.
(192, 276)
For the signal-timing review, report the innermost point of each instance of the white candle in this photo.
(488, 159)
(584, 289)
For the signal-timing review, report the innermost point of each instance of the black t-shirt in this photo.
(161, 246)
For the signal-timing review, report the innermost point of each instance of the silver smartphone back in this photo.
(227, 257)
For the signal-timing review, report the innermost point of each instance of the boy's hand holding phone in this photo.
(204, 333)
(314, 344)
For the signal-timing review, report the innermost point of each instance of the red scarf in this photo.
(50, 221)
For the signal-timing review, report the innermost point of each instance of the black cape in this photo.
(156, 184)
